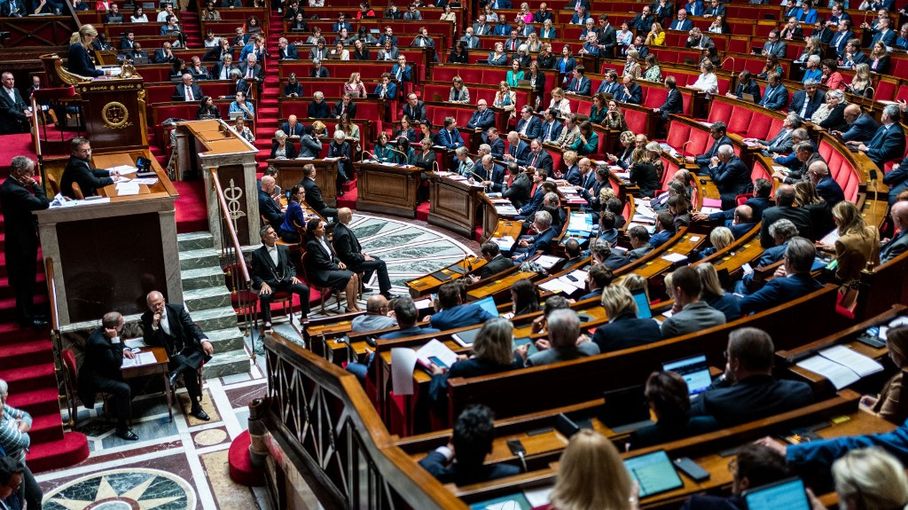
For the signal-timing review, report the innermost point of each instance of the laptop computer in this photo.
(466, 338)
(695, 372)
(236, 115)
(788, 494)
(625, 409)
(488, 304)
(642, 301)
(654, 473)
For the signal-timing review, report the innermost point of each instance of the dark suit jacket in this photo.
(80, 63)
(836, 119)
(435, 463)
(321, 72)
(534, 130)
(830, 191)
(703, 159)
(800, 216)
(732, 179)
(102, 360)
(180, 93)
(264, 270)
(887, 144)
(417, 112)
(257, 72)
(519, 190)
(18, 203)
(349, 109)
(89, 180)
(184, 345)
(894, 248)
(542, 242)
(626, 331)
(482, 119)
(778, 291)
(685, 26)
(797, 102)
(314, 196)
(290, 148)
(289, 53)
(635, 96)
(160, 58)
(674, 103)
(520, 151)
(862, 130)
(216, 70)
(753, 398)
(897, 180)
(494, 266)
(297, 130)
(550, 132)
(347, 247)
(12, 112)
(775, 98)
(270, 210)
(318, 110)
(544, 160)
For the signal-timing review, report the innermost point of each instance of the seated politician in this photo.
(747, 390)
(668, 398)
(170, 326)
(755, 465)
(495, 261)
(462, 461)
(351, 253)
(376, 316)
(324, 269)
(80, 170)
(314, 193)
(453, 313)
(689, 313)
(564, 343)
(273, 271)
(624, 329)
(541, 242)
(791, 281)
(268, 208)
(100, 372)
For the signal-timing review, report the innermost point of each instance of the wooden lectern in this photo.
(387, 188)
(454, 204)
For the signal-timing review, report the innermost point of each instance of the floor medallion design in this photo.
(123, 489)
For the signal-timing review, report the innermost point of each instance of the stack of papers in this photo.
(567, 284)
(580, 225)
(712, 202)
(437, 353)
(504, 243)
(148, 181)
(141, 359)
(506, 210)
(123, 169)
(127, 188)
(547, 261)
(674, 257)
(841, 365)
(668, 149)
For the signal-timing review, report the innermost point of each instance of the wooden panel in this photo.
(453, 205)
(388, 189)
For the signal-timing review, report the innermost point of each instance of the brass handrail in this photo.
(231, 228)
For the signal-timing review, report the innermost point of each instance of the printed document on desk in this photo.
(141, 359)
(841, 365)
(127, 188)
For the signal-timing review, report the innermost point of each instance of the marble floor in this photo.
(182, 463)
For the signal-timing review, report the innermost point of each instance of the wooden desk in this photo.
(110, 253)
(430, 283)
(387, 189)
(159, 367)
(218, 148)
(454, 204)
(290, 173)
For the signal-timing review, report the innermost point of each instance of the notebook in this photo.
(695, 372)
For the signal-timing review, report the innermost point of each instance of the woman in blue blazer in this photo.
(79, 62)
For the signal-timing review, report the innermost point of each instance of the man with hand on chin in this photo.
(171, 327)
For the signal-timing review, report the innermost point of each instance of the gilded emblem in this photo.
(115, 115)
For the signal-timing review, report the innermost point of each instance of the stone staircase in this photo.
(208, 300)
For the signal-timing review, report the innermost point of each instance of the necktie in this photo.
(189, 93)
(803, 112)
(535, 157)
(548, 131)
(249, 72)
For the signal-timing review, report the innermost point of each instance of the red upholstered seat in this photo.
(670, 169)
(636, 121)
(825, 150)
(739, 45)
(556, 158)
(699, 141)
(900, 67)
(885, 90)
(678, 134)
(655, 96)
(760, 127)
(471, 75)
(902, 93)
(580, 106)
(720, 111)
(443, 73)
(739, 121)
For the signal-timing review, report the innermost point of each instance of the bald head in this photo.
(851, 113)
(377, 305)
(899, 214)
(268, 184)
(155, 301)
(344, 215)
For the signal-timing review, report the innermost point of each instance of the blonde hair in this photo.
(570, 156)
(605, 194)
(617, 299)
(721, 237)
(872, 478)
(634, 282)
(494, 342)
(627, 137)
(709, 278)
(848, 217)
(557, 92)
(591, 475)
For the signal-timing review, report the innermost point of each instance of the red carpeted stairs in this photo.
(191, 29)
(27, 365)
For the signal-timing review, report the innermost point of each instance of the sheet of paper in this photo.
(831, 237)
(898, 321)
(134, 343)
(674, 257)
(556, 286)
(506, 210)
(504, 243)
(148, 181)
(124, 169)
(434, 348)
(854, 360)
(538, 497)
(77, 203)
(839, 375)
(142, 358)
(423, 304)
(403, 361)
(547, 261)
(710, 210)
(127, 188)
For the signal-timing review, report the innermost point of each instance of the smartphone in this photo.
(691, 469)
(516, 447)
(438, 362)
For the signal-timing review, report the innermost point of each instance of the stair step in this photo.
(227, 363)
(71, 449)
(212, 319)
(211, 297)
(13, 332)
(226, 340)
(6, 290)
(46, 428)
(36, 402)
(29, 377)
(195, 241)
(205, 257)
(202, 277)
(18, 355)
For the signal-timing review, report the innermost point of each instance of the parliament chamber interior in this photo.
(442, 254)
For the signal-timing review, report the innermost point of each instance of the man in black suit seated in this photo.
(79, 170)
(170, 326)
(314, 194)
(730, 175)
(292, 126)
(495, 261)
(755, 465)
(538, 157)
(748, 391)
(784, 208)
(414, 109)
(273, 270)
(20, 195)
(197, 70)
(516, 186)
(717, 132)
(318, 108)
(350, 252)
(493, 139)
(188, 91)
(674, 103)
(100, 371)
(462, 461)
(14, 112)
(888, 143)
(267, 207)
(482, 118)
(286, 51)
(597, 278)
(541, 243)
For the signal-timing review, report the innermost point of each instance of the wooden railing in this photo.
(232, 259)
(56, 339)
(324, 428)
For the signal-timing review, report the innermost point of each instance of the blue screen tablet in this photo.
(788, 494)
(654, 473)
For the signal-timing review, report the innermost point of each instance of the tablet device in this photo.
(488, 304)
(466, 338)
(654, 473)
(788, 494)
(625, 409)
(642, 301)
(695, 372)
(520, 342)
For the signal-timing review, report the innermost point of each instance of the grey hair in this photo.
(319, 94)
(836, 94)
(601, 248)
(20, 164)
(460, 151)
(794, 120)
(726, 150)
(564, 328)
(800, 254)
(485, 147)
(892, 111)
(808, 83)
(543, 218)
(783, 228)
(4, 389)
(815, 59)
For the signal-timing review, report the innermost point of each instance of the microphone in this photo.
(363, 154)
(726, 60)
(871, 89)
(683, 146)
(435, 167)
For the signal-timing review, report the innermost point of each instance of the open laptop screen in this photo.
(488, 304)
(694, 370)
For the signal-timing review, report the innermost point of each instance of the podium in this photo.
(454, 204)
(386, 188)
(113, 110)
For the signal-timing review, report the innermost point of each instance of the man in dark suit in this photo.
(318, 71)
(730, 175)
(293, 127)
(579, 84)
(529, 126)
(170, 326)
(775, 95)
(827, 187)
(223, 68)
(748, 391)
(538, 157)
(453, 313)
(518, 150)
(318, 108)
(718, 133)
(401, 71)
(286, 51)
(267, 207)
(188, 91)
(841, 38)
(607, 37)
(494, 141)
(14, 113)
(516, 186)
(495, 261)
(345, 106)
(350, 252)
(551, 126)
(449, 137)
(541, 243)
(20, 195)
(756, 465)
(471, 442)
(128, 41)
(164, 54)
(630, 92)
(414, 109)
(681, 23)
(100, 371)
(759, 202)
(13, 9)
(273, 271)
(314, 194)
(252, 70)
(674, 103)
(862, 125)
(889, 141)
(610, 85)
(899, 242)
(897, 180)
(784, 208)
(79, 170)
(792, 281)
(805, 102)
(482, 118)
